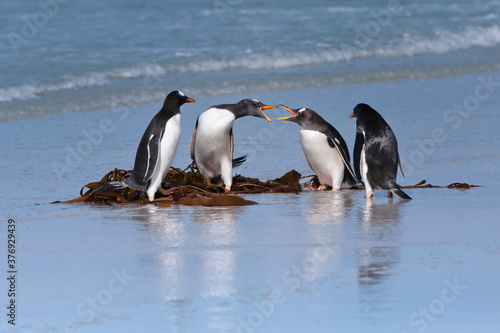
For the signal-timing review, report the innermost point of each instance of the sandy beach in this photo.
(313, 261)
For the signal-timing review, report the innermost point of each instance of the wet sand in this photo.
(316, 261)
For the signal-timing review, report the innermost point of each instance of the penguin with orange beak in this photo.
(324, 148)
(157, 148)
(376, 156)
(212, 142)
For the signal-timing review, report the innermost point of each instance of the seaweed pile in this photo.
(188, 187)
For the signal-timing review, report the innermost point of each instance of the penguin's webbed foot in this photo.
(323, 187)
(369, 195)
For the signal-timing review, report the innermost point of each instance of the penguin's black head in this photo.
(361, 108)
(301, 116)
(177, 98)
(252, 107)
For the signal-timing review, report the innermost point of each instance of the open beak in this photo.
(267, 107)
(352, 115)
(289, 110)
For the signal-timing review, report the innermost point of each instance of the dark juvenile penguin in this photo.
(212, 142)
(376, 154)
(324, 148)
(157, 148)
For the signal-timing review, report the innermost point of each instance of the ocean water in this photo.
(308, 262)
(65, 55)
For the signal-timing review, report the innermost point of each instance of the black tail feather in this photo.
(350, 181)
(239, 161)
(397, 191)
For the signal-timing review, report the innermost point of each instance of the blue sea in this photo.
(81, 80)
(67, 55)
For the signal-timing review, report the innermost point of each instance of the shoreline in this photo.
(455, 74)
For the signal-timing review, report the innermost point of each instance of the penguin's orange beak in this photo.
(352, 115)
(289, 110)
(190, 100)
(267, 107)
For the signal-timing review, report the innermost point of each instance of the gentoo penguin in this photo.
(212, 142)
(325, 150)
(157, 148)
(376, 152)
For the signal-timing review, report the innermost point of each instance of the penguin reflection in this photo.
(166, 235)
(218, 260)
(326, 214)
(328, 208)
(379, 227)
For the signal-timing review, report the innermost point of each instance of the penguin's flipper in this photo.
(231, 145)
(116, 185)
(239, 161)
(153, 151)
(358, 147)
(401, 167)
(334, 143)
(397, 191)
(125, 183)
(193, 140)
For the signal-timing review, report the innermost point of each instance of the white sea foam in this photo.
(91, 79)
(441, 42)
(136, 71)
(33, 91)
(343, 9)
(20, 92)
(445, 42)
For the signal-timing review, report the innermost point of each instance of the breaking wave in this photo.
(441, 42)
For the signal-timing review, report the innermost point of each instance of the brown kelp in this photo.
(188, 187)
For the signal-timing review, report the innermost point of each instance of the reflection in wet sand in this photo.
(169, 233)
(218, 264)
(325, 217)
(215, 231)
(329, 207)
(379, 227)
(378, 255)
(217, 275)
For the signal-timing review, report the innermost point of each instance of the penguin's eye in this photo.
(256, 101)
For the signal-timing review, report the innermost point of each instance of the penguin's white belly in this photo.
(364, 170)
(212, 143)
(168, 148)
(324, 160)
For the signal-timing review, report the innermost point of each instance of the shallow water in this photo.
(314, 261)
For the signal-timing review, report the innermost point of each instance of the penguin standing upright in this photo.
(376, 152)
(212, 143)
(324, 148)
(157, 148)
